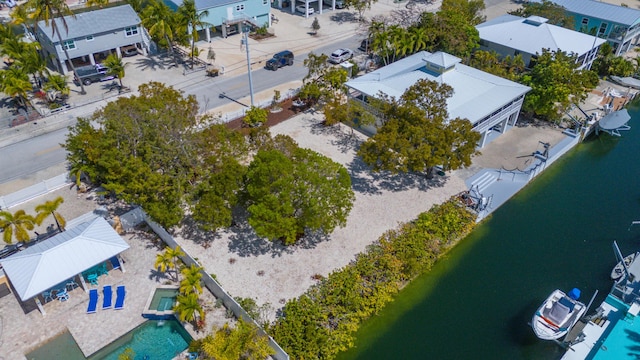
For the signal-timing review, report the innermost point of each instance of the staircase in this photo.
(482, 182)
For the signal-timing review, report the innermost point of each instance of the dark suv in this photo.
(279, 60)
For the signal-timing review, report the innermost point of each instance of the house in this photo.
(228, 16)
(619, 25)
(510, 35)
(92, 36)
(489, 102)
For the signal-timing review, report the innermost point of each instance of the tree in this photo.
(159, 20)
(52, 12)
(50, 208)
(470, 9)
(168, 260)
(556, 14)
(291, 192)
(509, 67)
(14, 82)
(241, 342)
(56, 87)
(16, 224)
(315, 26)
(360, 6)
(98, 3)
(452, 31)
(188, 307)
(323, 82)
(417, 135)
(607, 63)
(556, 84)
(145, 150)
(255, 116)
(192, 19)
(115, 67)
(191, 280)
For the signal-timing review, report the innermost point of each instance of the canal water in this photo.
(556, 233)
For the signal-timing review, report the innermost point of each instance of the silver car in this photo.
(340, 55)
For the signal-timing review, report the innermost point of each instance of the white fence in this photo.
(33, 191)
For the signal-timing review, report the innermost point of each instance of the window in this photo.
(603, 28)
(264, 2)
(585, 21)
(130, 31)
(69, 44)
(240, 7)
(89, 38)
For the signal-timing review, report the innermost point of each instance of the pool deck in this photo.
(24, 328)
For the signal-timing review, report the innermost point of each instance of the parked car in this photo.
(339, 3)
(91, 73)
(301, 8)
(340, 55)
(365, 45)
(283, 58)
(129, 51)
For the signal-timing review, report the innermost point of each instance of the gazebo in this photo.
(50, 262)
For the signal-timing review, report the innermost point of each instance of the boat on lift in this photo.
(557, 315)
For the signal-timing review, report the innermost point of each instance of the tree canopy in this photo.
(417, 135)
(556, 85)
(291, 189)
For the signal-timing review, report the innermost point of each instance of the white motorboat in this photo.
(618, 270)
(557, 315)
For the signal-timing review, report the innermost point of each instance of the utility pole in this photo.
(246, 45)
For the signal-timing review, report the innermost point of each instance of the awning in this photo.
(52, 261)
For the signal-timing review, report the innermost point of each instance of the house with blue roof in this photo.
(619, 25)
(228, 16)
(510, 35)
(492, 104)
(92, 36)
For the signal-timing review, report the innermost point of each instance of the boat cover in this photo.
(615, 120)
(558, 313)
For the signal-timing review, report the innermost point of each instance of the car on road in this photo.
(283, 58)
(340, 56)
(91, 73)
(300, 9)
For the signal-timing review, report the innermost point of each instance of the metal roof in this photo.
(476, 93)
(52, 261)
(202, 5)
(92, 23)
(600, 10)
(533, 34)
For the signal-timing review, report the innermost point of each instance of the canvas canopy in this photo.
(52, 261)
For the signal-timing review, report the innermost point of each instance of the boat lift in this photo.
(614, 122)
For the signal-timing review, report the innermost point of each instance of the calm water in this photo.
(556, 233)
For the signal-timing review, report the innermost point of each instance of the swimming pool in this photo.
(163, 299)
(155, 339)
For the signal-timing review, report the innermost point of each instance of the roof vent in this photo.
(535, 20)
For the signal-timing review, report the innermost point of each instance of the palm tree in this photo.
(191, 277)
(33, 63)
(50, 208)
(53, 12)
(98, 3)
(167, 260)
(16, 224)
(158, 19)
(14, 82)
(188, 306)
(115, 67)
(56, 86)
(189, 17)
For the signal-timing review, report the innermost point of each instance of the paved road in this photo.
(38, 153)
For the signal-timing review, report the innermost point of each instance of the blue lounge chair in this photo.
(115, 263)
(108, 295)
(120, 293)
(93, 301)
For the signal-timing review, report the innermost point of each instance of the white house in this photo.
(510, 35)
(92, 36)
(489, 102)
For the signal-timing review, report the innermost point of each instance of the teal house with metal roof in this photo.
(228, 16)
(619, 25)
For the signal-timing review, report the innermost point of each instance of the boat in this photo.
(557, 315)
(618, 270)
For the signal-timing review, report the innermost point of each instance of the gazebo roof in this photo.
(52, 261)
